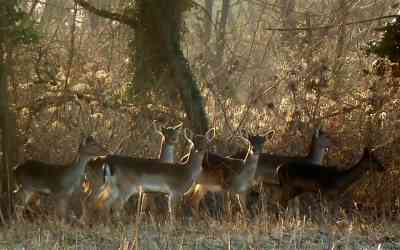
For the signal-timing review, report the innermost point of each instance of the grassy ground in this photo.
(264, 232)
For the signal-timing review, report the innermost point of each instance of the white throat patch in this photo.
(168, 154)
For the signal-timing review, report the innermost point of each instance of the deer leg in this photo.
(28, 198)
(122, 198)
(139, 208)
(62, 207)
(228, 205)
(242, 199)
(116, 208)
(107, 196)
(145, 203)
(284, 198)
(88, 212)
(150, 203)
(198, 194)
(288, 194)
(172, 206)
(35, 200)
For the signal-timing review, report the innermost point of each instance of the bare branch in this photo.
(107, 14)
(334, 25)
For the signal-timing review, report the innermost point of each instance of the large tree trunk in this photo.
(7, 117)
(159, 60)
(157, 56)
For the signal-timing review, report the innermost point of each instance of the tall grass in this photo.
(285, 230)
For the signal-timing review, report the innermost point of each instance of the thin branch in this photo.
(72, 47)
(334, 25)
(131, 22)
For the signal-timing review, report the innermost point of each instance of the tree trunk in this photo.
(208, 20)
(159, 58)
(53, 9)
(7, 116)
(94, 20)
(220, 46)
(288, 19)
(340, 46)
(206, 35)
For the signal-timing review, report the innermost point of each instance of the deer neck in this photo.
(348, 177)
(316, 154)
(167, 153)
(73, 175)
(195, 163)
(252, 163)
(245, 179)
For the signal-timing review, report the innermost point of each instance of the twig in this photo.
(334, 25)
(131, 22)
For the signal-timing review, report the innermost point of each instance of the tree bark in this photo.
(94, 20)
(288, 19)
(220, 46)
(208, 20)
(157, 54)
(53, 9)
(159, 57)
(340, 46)
(7, 116)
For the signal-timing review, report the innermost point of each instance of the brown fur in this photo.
(299, 177)
(36, 177)
(127, 175)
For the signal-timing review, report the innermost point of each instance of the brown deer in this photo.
(169, 137)
(268, 163)
(36, 177)
(296, 178)
(226, 174)
(127, 175)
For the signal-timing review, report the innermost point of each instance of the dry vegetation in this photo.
(287, 232)
(321, 76)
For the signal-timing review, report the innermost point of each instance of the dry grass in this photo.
(263, 232)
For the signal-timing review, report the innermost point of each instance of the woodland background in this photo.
(286, 65)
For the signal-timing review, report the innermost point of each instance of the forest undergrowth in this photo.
(290, 229)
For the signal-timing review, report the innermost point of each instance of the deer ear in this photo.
(210, 134)
(319, 129)
(82, 139)
(157, 128)
(317, 132)
(269, 134)
(178, 126)
(187, 134)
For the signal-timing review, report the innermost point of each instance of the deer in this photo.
(35, 177)
(268, 163)
(226, 174)
(296, 178)
(127, 176)
(169, 137)
(266, 173)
